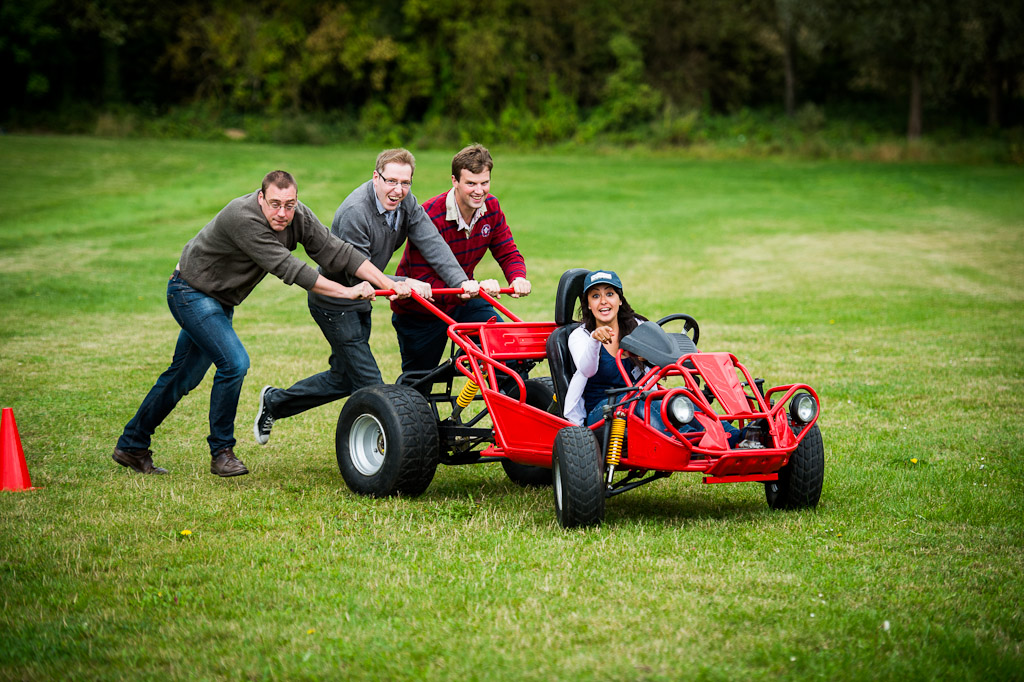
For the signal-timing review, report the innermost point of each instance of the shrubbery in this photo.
(811, 133)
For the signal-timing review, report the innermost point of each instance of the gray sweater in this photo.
(236, 250)
(360, 223)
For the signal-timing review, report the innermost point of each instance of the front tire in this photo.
(386, 442)
(578, 478)
(539, 393)
(800, 481)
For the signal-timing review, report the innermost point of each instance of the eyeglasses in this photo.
(406, 184)
(276, 205)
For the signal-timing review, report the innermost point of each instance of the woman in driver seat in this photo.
(606, 318)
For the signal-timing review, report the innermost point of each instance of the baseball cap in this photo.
(602, 277)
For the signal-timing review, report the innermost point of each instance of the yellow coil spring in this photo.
(615, 440)
(467, 394)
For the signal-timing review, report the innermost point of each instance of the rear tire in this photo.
(578, 478)
(539, 393)
(800, 481)
(386, 442)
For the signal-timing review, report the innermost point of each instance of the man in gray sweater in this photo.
(376, 218)
(251, 236)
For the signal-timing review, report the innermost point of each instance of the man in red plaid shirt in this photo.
(470, 220)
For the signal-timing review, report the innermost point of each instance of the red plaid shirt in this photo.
(490, 231)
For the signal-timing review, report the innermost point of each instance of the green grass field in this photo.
(895, 290)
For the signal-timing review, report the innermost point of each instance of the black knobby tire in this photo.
(386, 441)
(578, 478)
(539, 393)
(800, 481)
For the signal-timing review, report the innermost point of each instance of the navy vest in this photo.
(607, 376)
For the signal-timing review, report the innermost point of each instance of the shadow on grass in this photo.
(683, 508)
(479, 480)
(681, 503)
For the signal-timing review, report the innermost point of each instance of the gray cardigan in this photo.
(359, 222)
(236, 250)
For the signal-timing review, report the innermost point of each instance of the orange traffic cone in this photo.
(13, 469)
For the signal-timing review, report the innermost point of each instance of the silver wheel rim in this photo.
(367, 444)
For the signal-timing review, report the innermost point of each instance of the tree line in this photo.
(540, 69)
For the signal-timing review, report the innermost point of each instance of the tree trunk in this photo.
(914, 119)
(787, 61)
(785, 22)
(111, 73)
(995, 92)
(993, 70)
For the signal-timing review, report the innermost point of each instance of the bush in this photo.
(198, 121)
(629, 101)
(677, 130)
(115, 124)
(517, 126)
(810, 118)
(1015, 146)
(435, 131)
(297, 130)
(844, 133)
(377, 126)
(559, 117)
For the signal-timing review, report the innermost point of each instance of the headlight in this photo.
(803, 408)
(680, 410)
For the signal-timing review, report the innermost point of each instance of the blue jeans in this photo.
(596, 415)
(206, 338)
(421, 340)
(352, 365)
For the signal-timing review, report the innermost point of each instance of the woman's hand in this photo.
(603, 334)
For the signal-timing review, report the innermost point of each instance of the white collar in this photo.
(452, 213)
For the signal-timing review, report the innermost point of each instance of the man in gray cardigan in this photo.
(251, 236)
(376, 218)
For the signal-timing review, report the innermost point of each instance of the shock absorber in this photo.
(618, 432)
(465, 397)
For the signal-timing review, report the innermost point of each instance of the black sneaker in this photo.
(137, 460)
(264, 421)
(225, 463)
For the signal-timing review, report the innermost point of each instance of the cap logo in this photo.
(600, 275)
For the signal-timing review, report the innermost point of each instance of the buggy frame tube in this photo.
(647, 386)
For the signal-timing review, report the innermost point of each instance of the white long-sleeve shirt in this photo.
(586, 354)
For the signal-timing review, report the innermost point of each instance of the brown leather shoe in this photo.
(137, 460)
(226, 464)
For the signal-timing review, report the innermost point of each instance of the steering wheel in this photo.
(690, 324)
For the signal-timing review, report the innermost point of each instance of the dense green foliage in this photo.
(516, 71)
(893, 289)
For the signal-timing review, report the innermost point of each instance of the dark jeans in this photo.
(206, 338)
(352, 365)
(421, 340)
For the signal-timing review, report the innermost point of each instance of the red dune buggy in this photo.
(390, 438)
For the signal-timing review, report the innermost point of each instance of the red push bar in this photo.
(458, 290)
